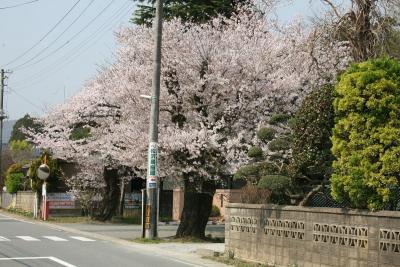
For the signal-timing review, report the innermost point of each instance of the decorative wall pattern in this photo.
(284, 228)
(342, 235)
(389, 240)
(243, 224)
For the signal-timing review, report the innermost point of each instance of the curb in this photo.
(151, 249)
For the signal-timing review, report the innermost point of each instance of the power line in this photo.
(68, 58)
(67, 42)
(44, 36)
(18, 5)
(25, 99)
(58, 37)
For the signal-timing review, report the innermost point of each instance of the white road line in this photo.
(63, 263)
(27, 238)
(81, 238)
(57, 260)
(2, 238)
(55, 238)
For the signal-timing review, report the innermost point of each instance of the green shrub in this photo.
(255, 152)
(312, 130)
(54, 180)
(366, 134)
(275, 183)
(14, 182)
(279, 186)
(266, 134)
(279, 118)
(279, 144)
(215, 212)
(253, 172)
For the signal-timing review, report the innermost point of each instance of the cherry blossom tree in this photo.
(220, 83)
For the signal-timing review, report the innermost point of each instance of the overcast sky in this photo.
(54, 46)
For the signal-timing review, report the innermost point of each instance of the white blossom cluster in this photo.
(220, 83)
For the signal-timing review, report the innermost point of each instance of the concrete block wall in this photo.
(25, 200)
(323, 237)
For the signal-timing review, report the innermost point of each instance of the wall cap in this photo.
(384, 213)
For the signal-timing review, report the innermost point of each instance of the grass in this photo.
(173, 239)
(71, 219)
(236, 262)
(20, 212)
(149, 241)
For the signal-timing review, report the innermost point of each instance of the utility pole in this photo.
(2, 117)
(152, 175)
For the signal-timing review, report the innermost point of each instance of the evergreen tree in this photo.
(27, 122)
(197, 11)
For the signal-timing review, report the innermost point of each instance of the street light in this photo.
(150, 222)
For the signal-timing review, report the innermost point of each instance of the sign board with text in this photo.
(152, 165)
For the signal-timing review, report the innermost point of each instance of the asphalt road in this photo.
(23, 243)
(131, 231)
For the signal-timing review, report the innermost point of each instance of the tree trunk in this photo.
(109, 205)
(196, 210)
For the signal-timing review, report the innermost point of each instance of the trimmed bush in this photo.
(366, 134)
(279, 118)
(278, 185)
(255, 152)
(279, 144)
(312, 131)
(266, 134)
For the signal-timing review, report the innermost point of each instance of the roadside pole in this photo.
(2, 117)
(43, 173)
(150, 222)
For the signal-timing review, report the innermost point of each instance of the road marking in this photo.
(66, 264)
(57, 260)
(81, 238)
(27, 238)
(55, 238)
(2, 238)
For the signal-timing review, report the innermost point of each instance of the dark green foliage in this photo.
(14, 182)
(198, 11)
(279, 118)
(279, 144)
(255, 152)
(266, 134)
(80, 133)
(26, 122)
(312, 128)
(278, 185)
(271, 157)
(366, 134)
(54, 180)
(253, 172)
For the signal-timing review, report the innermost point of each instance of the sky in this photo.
(53, 46)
